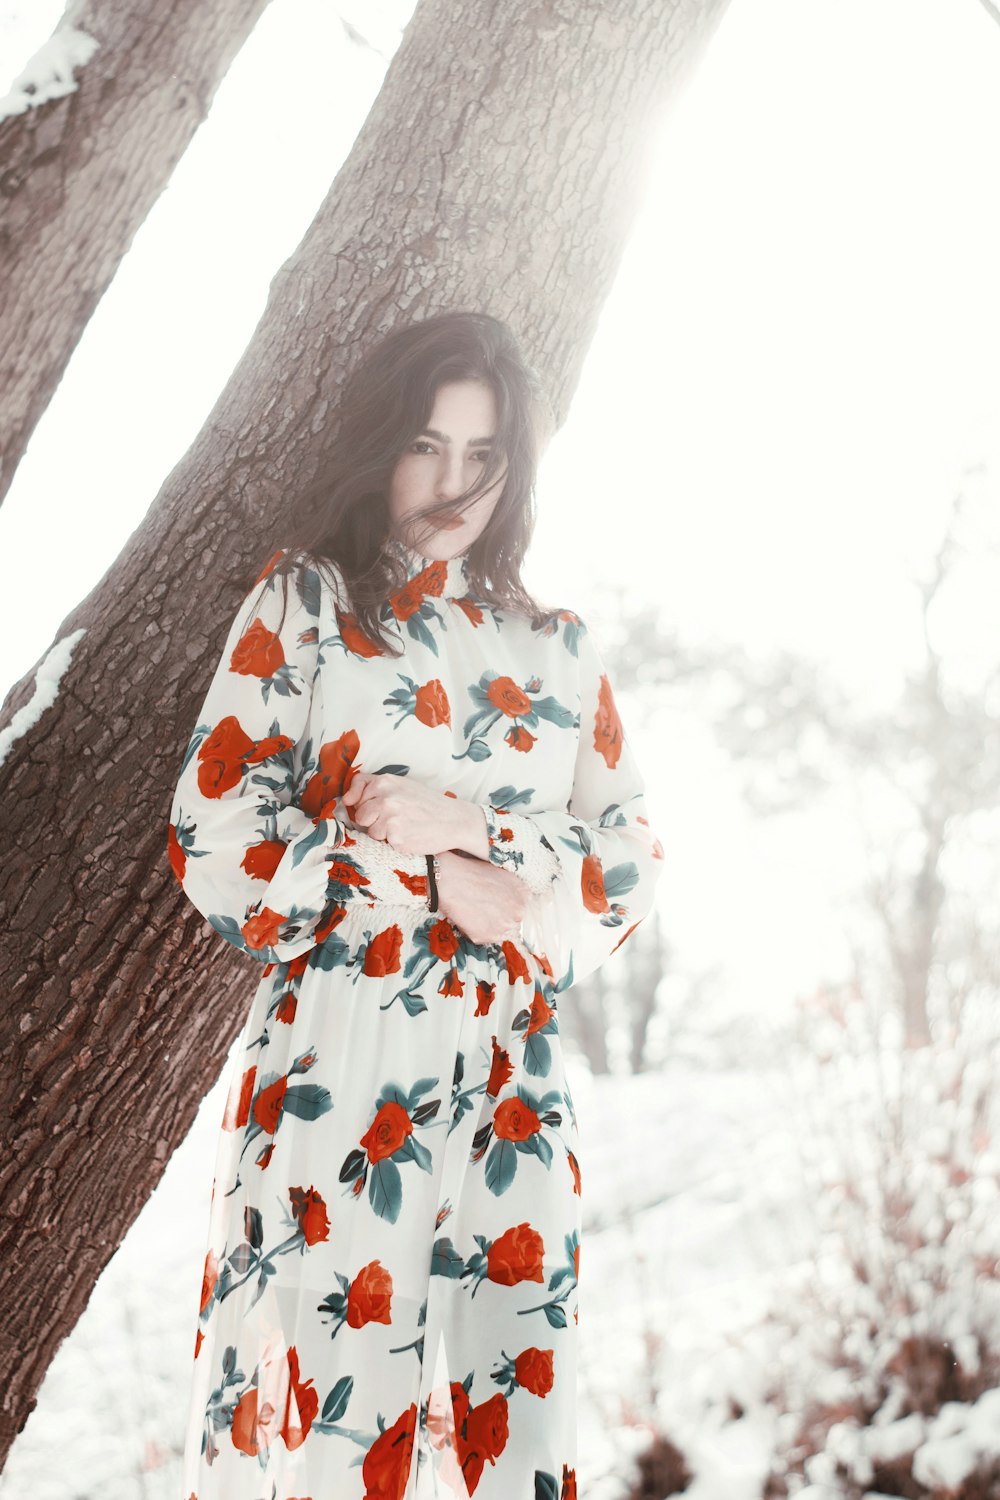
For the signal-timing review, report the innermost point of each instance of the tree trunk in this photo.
(501, 176)
(79, 174)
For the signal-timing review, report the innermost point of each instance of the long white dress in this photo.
(389, 1302)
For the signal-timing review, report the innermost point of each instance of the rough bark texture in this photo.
(79, 174)
(502, 177)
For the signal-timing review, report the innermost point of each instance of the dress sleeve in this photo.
(252, 836)
(592, 869)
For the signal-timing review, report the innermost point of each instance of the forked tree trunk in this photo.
(499, 168)
(79, 174)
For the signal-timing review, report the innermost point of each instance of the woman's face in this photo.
(441, 463)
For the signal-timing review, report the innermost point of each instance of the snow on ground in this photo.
(688, 1178)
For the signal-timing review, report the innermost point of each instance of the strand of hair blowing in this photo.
(342, 517)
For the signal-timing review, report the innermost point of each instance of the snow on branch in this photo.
(49, 73)
(47, 679)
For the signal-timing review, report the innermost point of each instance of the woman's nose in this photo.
(450, 479)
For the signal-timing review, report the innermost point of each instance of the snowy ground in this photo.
(690, 1209)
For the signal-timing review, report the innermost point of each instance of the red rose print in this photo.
(382, 953)
(209, 1279)
(175, 854)
(592, 884)
(514, 958)
(310, 1214)
(387, 1462)
(485, 991)
(221, 757)
(264, 929)
(244, 1429)
(335, 774)
(258, 652)
(431, 704)
(451, 984)
(261, 860)
(238, 1120)
(568, 1491)
(540, 1015)
(407, 600)
(301, 1404)
(341, 873)
(442, 939)
(287, 1006)
(516, 1256)
(501, 1070)
(608, 732)
(354, 638)
(486, 1428)
(415, 884)
(519, 738)
(370, 1297)
(268, 1104)
(387, 1132)
(470, 609)
(274, 744)
(504, 694)
(533, 1369)
(574, 1167)
(513, 1120)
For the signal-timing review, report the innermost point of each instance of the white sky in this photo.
(796, 368)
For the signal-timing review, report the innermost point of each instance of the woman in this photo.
(409, 796)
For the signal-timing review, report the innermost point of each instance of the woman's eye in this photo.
(421, 443)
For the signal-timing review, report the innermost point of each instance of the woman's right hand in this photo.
(484, 901)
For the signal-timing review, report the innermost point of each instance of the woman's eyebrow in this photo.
(442, 437)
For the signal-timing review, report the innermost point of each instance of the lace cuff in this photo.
(518, 845)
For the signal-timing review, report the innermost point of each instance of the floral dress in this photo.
(389, 1301)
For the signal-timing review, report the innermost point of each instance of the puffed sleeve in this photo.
(592, 869)
(252, 838)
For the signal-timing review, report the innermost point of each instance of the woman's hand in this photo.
(483, 900)
(412, 817)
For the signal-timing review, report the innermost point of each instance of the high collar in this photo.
(456, 569)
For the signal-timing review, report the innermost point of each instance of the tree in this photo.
(82, 164)
(504, 177)
(796, 735)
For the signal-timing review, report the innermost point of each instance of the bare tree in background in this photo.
(507, 178)
(795, 735)
(80, 171)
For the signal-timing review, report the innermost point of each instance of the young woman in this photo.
(409, 797)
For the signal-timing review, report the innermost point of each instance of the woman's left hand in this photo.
(412, 817)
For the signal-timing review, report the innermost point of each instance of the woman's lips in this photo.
(443, 522)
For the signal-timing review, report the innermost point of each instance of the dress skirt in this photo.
(389, 1303)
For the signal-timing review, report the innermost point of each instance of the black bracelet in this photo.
(431, 882)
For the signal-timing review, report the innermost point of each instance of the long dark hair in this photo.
(343, 518)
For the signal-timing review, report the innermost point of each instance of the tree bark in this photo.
(79, 174)
(503, 177)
